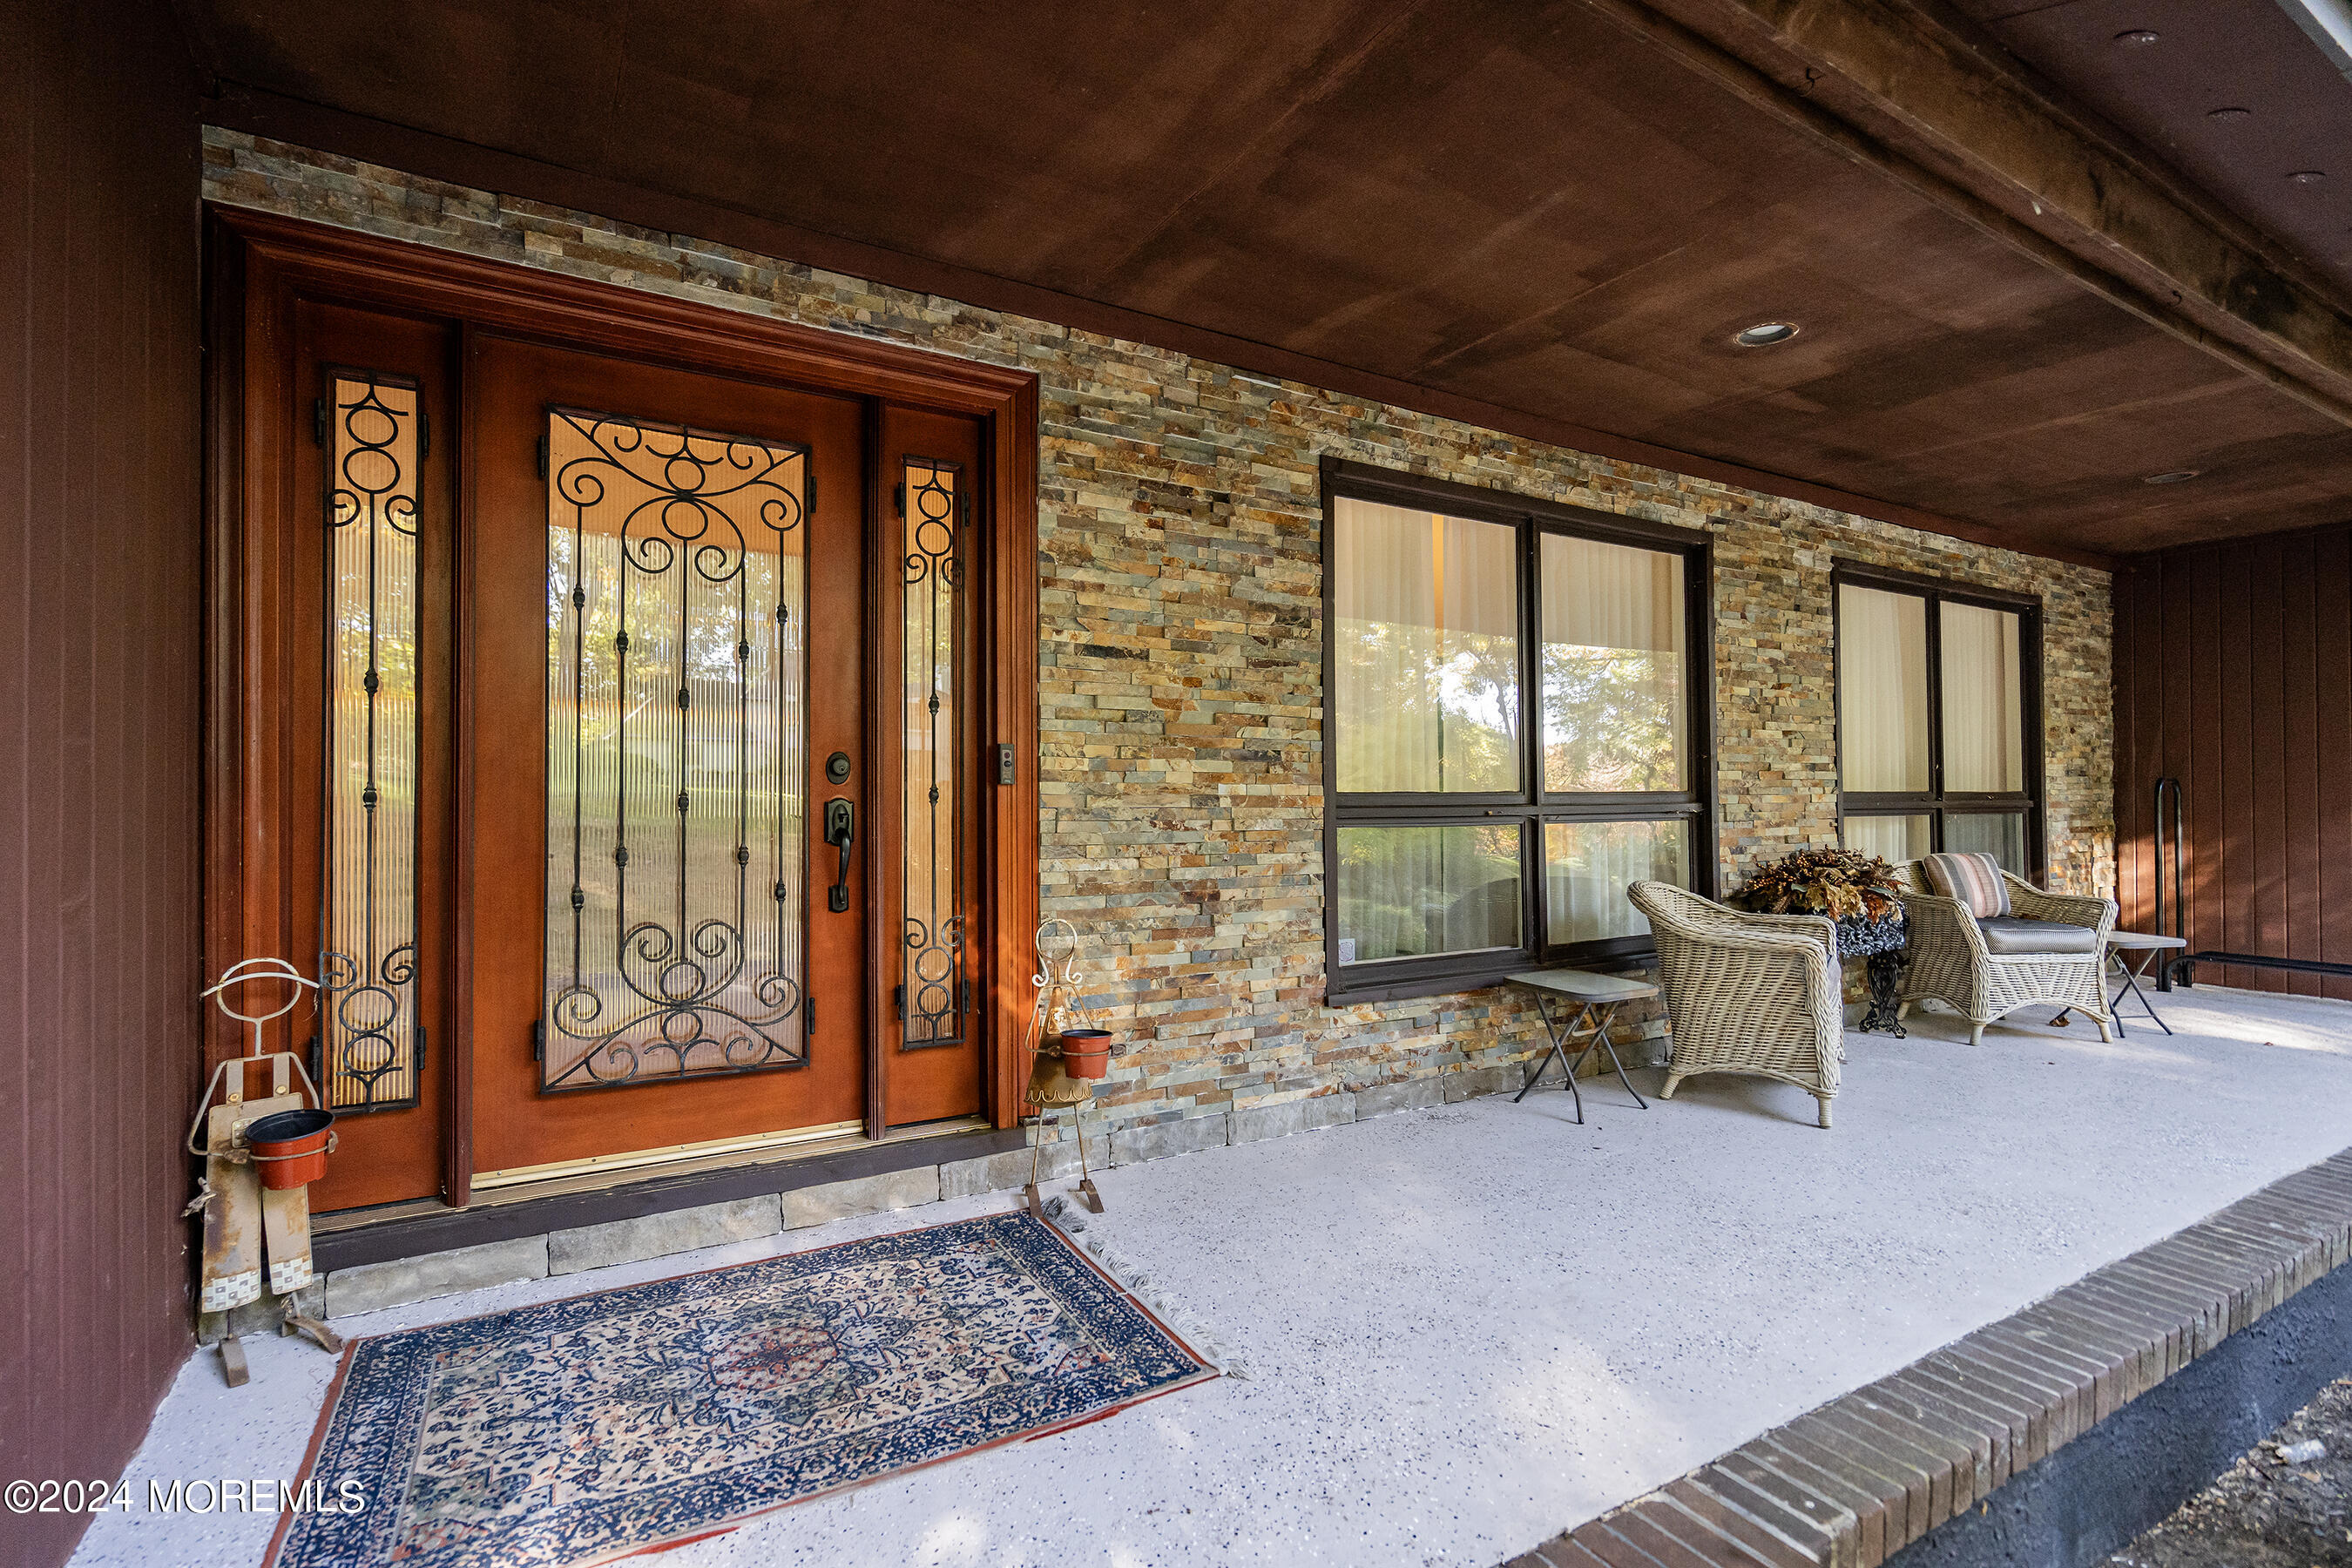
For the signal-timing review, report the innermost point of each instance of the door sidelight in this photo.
(841, 829)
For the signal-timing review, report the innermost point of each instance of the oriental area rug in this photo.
(587, 1429)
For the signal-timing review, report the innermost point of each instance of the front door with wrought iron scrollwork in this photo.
(667, 595)
(614, 728)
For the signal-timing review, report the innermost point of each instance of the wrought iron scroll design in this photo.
(368, 900)
(933, 990)
(675, 791)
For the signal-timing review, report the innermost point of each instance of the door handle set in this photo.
(840, 828)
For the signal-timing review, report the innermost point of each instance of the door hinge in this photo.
(424, 435)
(808, 503)
(542, 457)
(808, 1015)
(899, 995)
(539, 1039)
(317, 421)
(318, 1062)
(964, 508)
(898, 497)
(420, 1057)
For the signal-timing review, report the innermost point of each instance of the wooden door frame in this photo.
(257, 265)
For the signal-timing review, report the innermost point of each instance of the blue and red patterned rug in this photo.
(586, 1429)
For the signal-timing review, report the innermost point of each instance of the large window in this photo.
(1939, 719)
(1517, 716)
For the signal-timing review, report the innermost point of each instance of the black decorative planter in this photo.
(1882, 942)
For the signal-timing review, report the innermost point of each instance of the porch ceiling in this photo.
(1527, 206)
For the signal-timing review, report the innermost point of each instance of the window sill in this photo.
(1355, 990)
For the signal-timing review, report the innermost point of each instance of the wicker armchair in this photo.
(1748, 994)
(1952, 962)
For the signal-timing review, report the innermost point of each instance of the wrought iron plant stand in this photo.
(1051, 1089)
(1884, 944)
(244, 1215)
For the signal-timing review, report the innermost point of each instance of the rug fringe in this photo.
(1138, 1282)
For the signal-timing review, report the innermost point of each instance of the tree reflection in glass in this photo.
(1613, 705)
(1426, 633)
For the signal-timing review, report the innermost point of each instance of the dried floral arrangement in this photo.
(1838, 883)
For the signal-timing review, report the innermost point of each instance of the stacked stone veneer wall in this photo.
(1180, 699)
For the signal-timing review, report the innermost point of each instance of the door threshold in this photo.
(493, 1189)
(759, 1146)
(358, 1237)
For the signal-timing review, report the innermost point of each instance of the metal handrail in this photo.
(2183, 968)
(2166, 971)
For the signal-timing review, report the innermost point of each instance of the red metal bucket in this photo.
(289, 1147)
(1085, 1053)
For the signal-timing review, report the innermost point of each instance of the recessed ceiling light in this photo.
(2307, 176)
(2232, 112)
(2136, 37)
(2174, 478)
(1764, 334)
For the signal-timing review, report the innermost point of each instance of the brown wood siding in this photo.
(100, 597)
(2233, 674)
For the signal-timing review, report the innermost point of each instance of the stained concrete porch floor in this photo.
(1471, 1326)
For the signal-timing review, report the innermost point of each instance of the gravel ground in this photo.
(2270, 1511)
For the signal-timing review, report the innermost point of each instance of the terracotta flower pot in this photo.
(1085, 1053)
(290, 1147)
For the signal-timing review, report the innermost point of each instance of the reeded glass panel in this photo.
(1406, 892)
(933, 1001)
(1984, 701)
(1425, 677)
(674, 766)
(1882, 690)
(1893, 839)
(1589, 865)
(1613, 706)
(2000, 834)
(369, 951)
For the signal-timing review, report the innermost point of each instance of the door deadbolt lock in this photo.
(841, 829)
(837, 768)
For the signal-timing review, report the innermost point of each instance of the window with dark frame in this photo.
(1940, 718)
(1519, 699)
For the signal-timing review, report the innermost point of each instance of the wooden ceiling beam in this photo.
(1908, 89)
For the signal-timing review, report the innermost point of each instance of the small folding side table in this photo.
(2152, 950)
(1587, 1001)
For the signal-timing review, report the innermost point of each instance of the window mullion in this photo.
(1536, 898)
(1936, 700)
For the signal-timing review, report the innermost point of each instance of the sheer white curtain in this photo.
(1589, 865)
(1894, 839)
(1612, 666)
(1425, 629)
(1412, 890)
(1984, 707)
(1882, 689)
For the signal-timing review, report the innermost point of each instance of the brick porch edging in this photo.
(1850, 1483)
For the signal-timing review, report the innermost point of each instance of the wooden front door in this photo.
(668, 789)
(612, 730)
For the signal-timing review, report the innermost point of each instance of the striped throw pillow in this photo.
(1974, 879)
